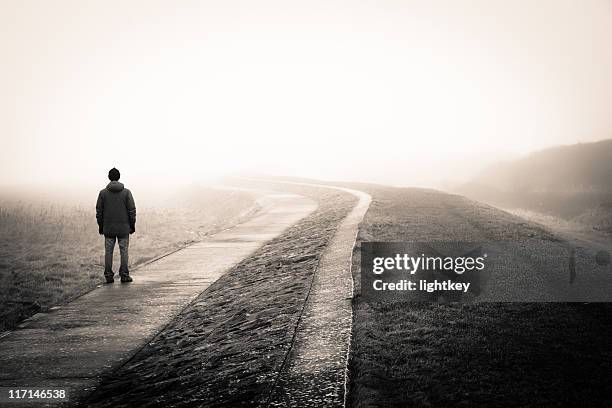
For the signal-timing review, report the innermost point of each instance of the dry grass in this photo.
(486, 355)
(409, 354)
(50, 254)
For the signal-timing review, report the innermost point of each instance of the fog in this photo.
(419, 93)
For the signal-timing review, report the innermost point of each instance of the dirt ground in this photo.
(478, 355)
(228, 346)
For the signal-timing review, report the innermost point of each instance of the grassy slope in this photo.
(51, 253)
(485, 355)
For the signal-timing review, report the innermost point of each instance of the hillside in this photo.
(573, 182)
(584, 167)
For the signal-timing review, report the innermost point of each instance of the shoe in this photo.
(109, 279)
(126, 279)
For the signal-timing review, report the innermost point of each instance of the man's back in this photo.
(116, 210)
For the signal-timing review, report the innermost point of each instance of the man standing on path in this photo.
(116, 215)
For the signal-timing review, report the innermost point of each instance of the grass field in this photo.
(409, 354)
(52, 252)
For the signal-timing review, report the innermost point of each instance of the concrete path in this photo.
(74, 345)
(315, 372)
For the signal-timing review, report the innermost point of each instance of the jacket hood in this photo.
(114, 186)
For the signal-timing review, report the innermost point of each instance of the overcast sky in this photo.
(404, 92)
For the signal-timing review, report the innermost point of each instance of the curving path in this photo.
(73, 346)
(315, 371)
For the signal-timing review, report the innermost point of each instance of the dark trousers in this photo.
(109, 246)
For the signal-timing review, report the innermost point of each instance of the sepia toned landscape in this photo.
(332, 203)
(420, 354)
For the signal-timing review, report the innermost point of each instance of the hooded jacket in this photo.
(116, 210)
